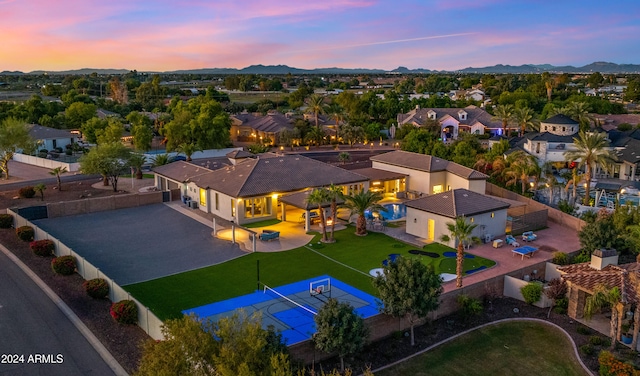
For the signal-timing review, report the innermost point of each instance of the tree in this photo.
(188, 149)
(601, 233)
(504, 113)
(339, 329)
(604, 297)
(344, 157)
(521, 166)
(556, 289)
(57, 172)
(78, 113)
(14, 137)
(579, 111)
(462, 232)
(334, 192)
(410, 289)
(590, 149)
(524, 117)
(109, 160)
(160, 160)
(40, 188)
(141, 130)
(91, 128)
(112, 133)
(576, 178)
(358, 203)
(137, 161)
(316, 106)
(319, 197)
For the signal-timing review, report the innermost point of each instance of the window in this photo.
(437, 189)
(471, 220)
(257, 207)
(553, 129)
(203, 197)
(493, 215)
(538, 148)
(233, 207)
(564, 129)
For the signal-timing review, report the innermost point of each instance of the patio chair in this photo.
(509, 239)
(529, 236)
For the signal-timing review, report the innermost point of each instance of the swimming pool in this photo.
(394, 212)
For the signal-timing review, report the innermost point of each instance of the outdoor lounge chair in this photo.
(525, 251)
(510, 240)
(529, 236)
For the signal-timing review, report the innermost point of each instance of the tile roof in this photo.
(264, 175)
(550, 137)
(377, 174)
(272, 123)
(456, 203)
(427, 163)
(474, 114)
(631, 151)
(239, 154)
(625, 277)
(38, 132)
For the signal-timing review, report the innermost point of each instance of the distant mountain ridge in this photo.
(600, 66)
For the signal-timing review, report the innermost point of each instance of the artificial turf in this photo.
(349, 259)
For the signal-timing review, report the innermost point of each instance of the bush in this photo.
(565, 207)
(125, 312)
(531, 292)
(25, 233)
(64, 265)
(561, 306)
(470, 306)
(595, 340)
(96, 288)
(6, 221)
(42, 248)
(583, 330)
(560, 258)
(587, 349)
(27, 192)
(582, 257)
(610, 366)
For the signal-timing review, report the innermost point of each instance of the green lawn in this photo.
(514, 348)
(265, 223)
(168, 296)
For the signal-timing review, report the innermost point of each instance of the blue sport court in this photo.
(291, 308)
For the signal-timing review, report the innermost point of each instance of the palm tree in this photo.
(603, 297)
(461, 231)
(336, 112)
(575, 179)
(334, 192)
(591, 149)
(188, 149)
(57, 172)
(137, 161)
(316, 106)
(344, 157)
(524, 117)
(579, 111)
(521, 166)
(160, 160)
(359, 203)
(504, 113)
(320, 196)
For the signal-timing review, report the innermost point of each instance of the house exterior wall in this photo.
(479, 186)
(437, 179)
(416, 180)
(59, 142)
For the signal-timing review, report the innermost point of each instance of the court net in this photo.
(267, 288)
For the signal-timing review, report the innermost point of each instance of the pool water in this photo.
(394, 212)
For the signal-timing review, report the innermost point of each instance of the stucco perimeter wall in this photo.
(382, 326)
(98, 204)
(554, 215)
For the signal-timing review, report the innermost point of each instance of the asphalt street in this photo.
(36, 337)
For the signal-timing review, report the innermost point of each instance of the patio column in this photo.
(307, 221)
(284, 212)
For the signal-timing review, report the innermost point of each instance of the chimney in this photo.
(600, 258)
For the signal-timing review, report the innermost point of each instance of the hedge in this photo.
(6, 221)
(96, 288)
(26, 192)
(125, 312)
(42, 248)
(64, 265)
(25, 233)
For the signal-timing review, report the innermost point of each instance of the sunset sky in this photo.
(163, 35)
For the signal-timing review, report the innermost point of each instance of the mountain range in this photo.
(602, 67)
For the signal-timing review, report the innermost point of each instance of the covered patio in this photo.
(297, 208)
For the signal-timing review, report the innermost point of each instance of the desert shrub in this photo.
(25, 233)
(561, 306)
(26, 192)
(125, 312)
(610, 366)
(6, 220)
(42, 248)
(96, 288)
(595, 340)
(531, 292)
(587, 349)
(469, 306)
(583, 330)
(64, 265)
(560, 258)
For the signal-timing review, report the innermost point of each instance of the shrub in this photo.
(125, 312)
(560, 258)
(561, 306)
(595, 340)
(610, 366)
(6, 221)
(583, 330)
(582, 257)
(587, 349)
(64, 265)
(27, 192)
(565, 207)
(42, 248)
(96, 288)
(470, 306)
(531, 292)
(25, 233)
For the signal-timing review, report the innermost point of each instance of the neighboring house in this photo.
(452, 121)
(251, 128)
(612, 121)
(425, 174)
(627, 148)
(51, 138)
(554, 139)
(427, 217)
(249, 190)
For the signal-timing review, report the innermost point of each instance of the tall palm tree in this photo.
(579, 111)
(320, 196)
(461, 231)
(336, 112)
(524, 117)
(316, 106)
(576, 177)
(334, 192)
(603, 297)
(521, 166)
(591, 149)
(57, 172)
(359, 203)
(504, 113)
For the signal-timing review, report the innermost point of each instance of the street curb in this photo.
(575, 349)
(75, 320)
